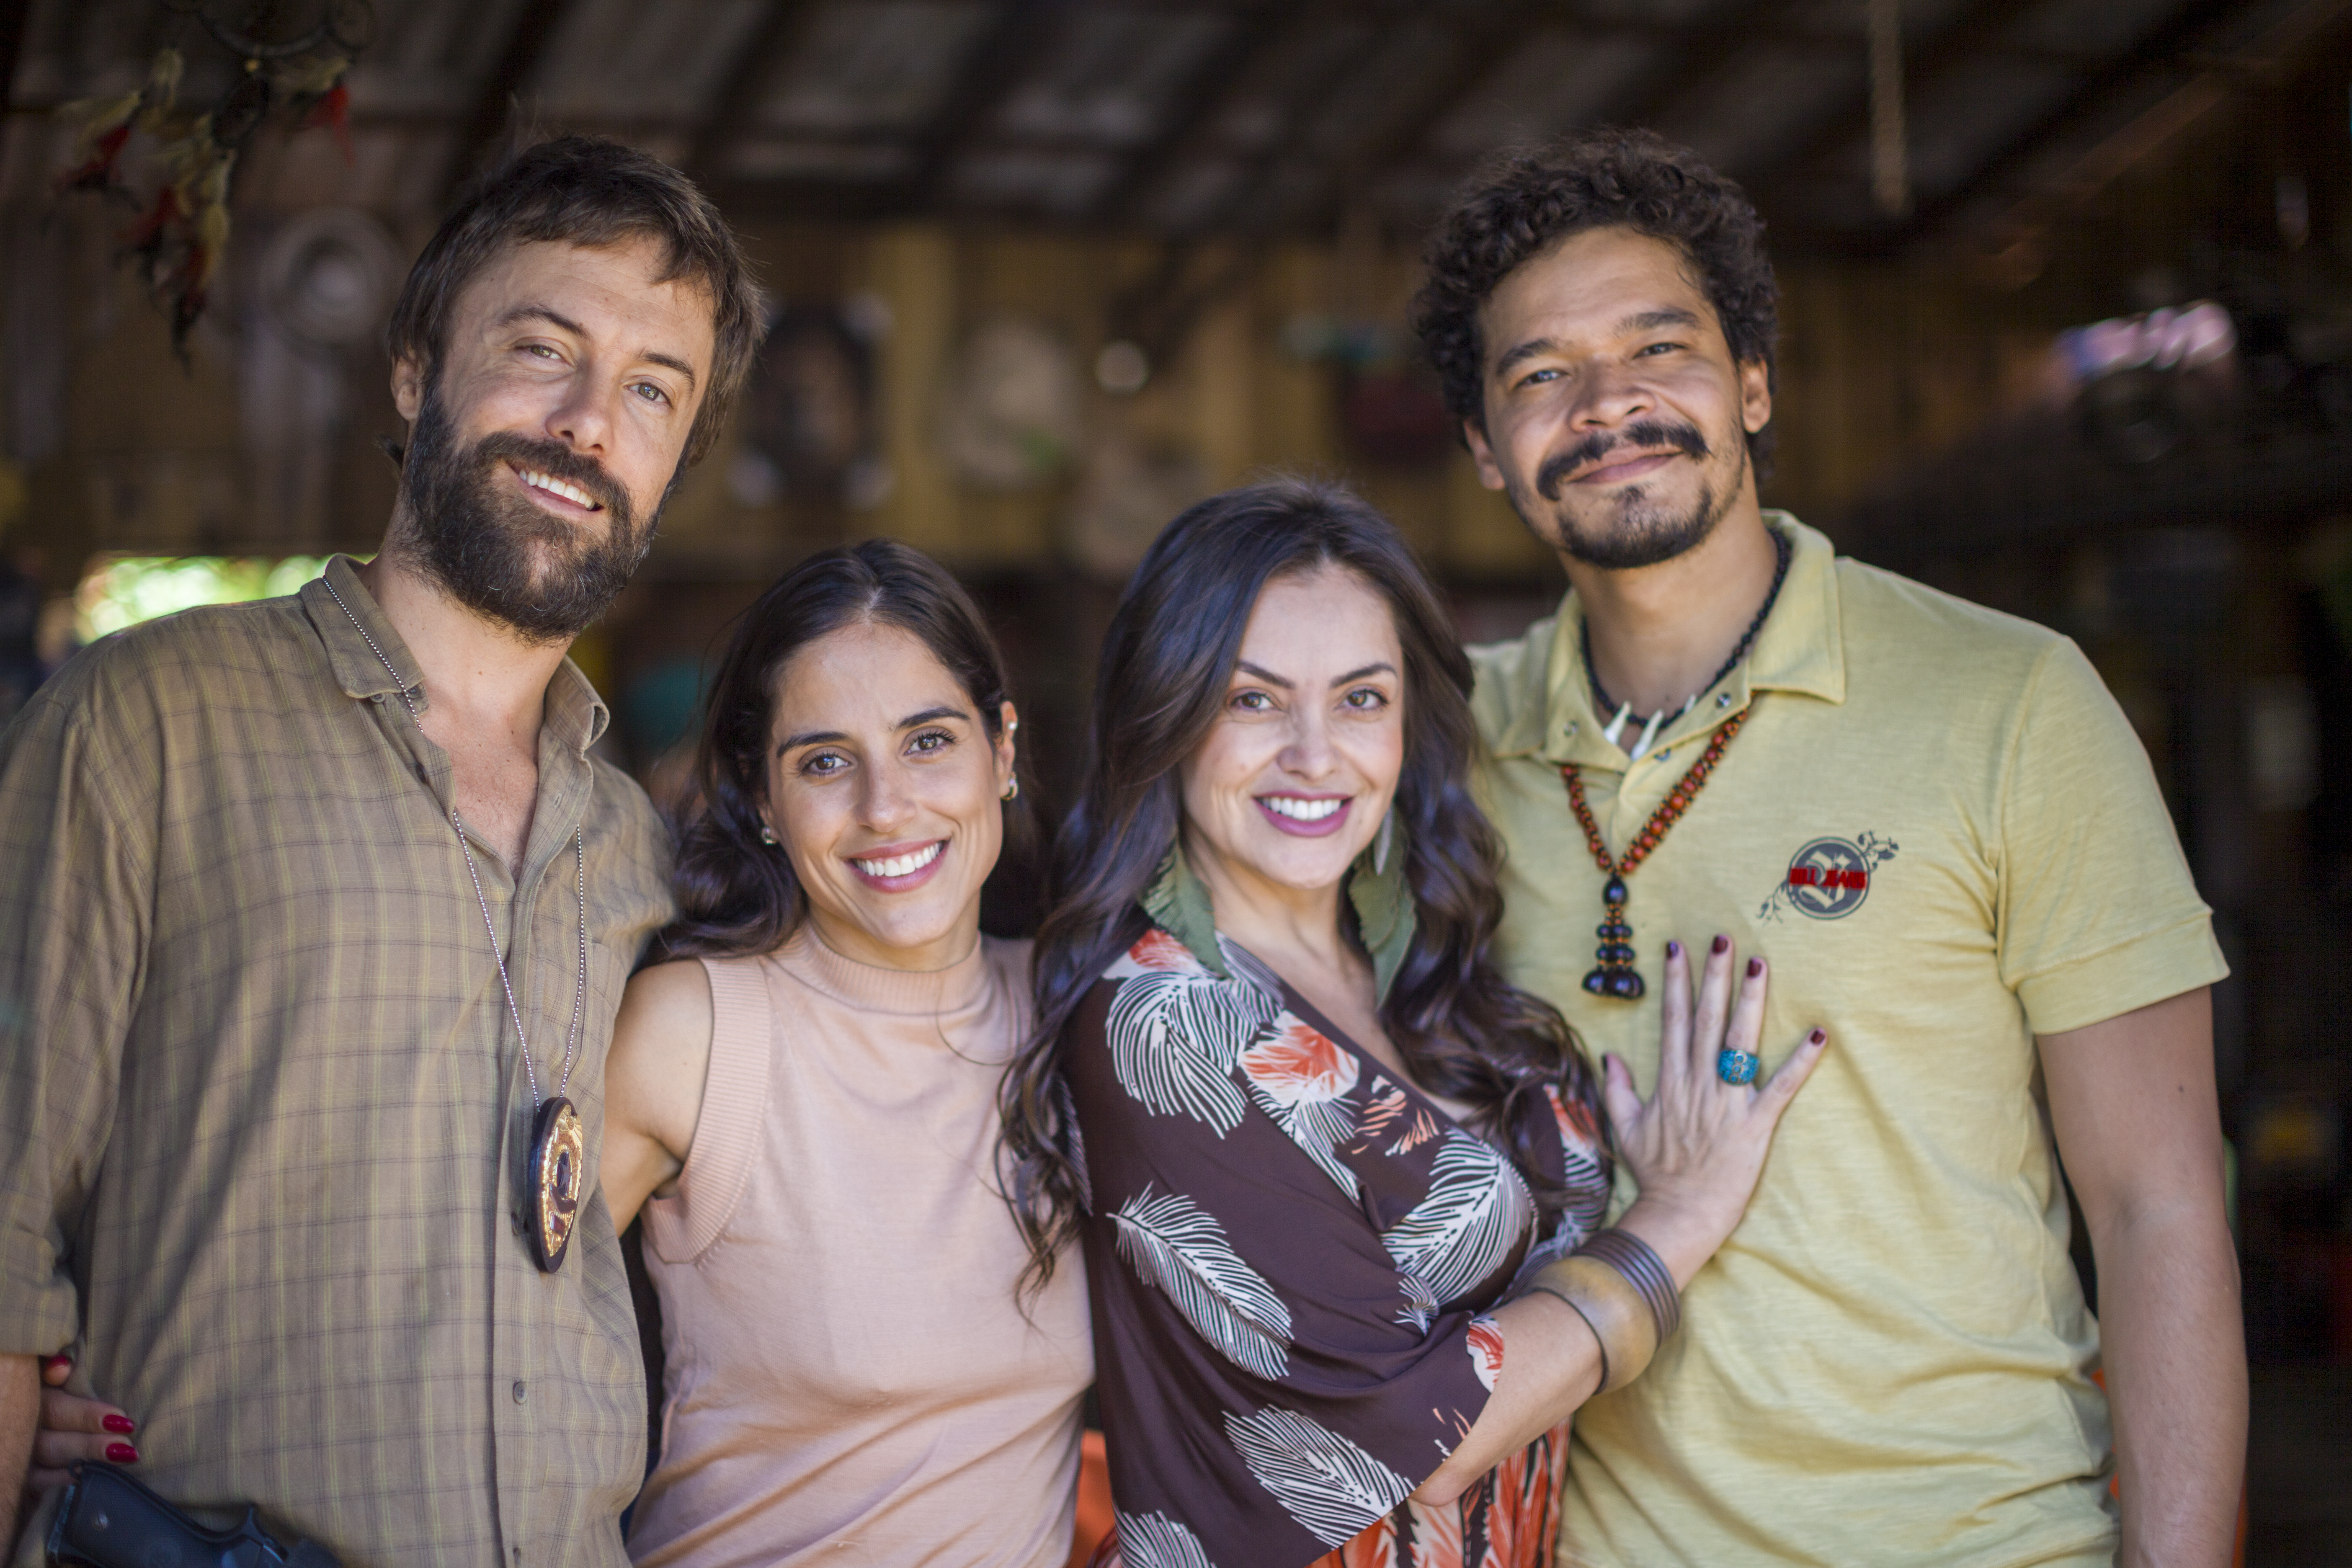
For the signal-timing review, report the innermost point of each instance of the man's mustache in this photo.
(558, 461)
(1647, 434)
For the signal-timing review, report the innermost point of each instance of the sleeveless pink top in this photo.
(850, 1380)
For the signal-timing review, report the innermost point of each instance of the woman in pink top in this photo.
(804, 1102)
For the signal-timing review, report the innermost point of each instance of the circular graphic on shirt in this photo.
(1829, 878)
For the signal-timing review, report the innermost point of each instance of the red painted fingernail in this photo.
(121, 1453)
(1818, 1036)
(1755, 967)
(1673, 950)
(1723, 944)
(59, 1359)
(122, 1424)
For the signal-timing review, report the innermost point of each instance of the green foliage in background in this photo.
(123, 590)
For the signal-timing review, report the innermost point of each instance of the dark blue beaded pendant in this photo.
(1613, 975)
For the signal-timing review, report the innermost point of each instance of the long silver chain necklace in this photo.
(558, 1142)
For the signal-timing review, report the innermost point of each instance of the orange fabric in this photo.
(1095, 1518)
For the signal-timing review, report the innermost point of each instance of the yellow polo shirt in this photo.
(1942, 832)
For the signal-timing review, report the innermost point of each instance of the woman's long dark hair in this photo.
(1167, 661)
(737, 895)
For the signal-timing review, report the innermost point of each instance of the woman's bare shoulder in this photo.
(661, 1048)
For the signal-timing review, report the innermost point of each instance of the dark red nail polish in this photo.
(122, 1424)
(1723, 944)
(1673, 950)
(1755, 967)
(121, 1453)
(1817, 1037)
(59, 1359)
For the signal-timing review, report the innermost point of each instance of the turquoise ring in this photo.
(1736, 1067)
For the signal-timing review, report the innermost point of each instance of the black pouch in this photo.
(106, 1519)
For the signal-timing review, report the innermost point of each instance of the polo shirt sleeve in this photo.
(76, 887)
(2097, 913)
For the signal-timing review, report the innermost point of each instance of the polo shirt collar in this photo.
(1800, 649)
(575, 715)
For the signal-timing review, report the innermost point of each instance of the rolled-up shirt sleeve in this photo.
(77, 814)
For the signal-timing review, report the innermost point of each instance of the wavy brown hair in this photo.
(1167, 661)
(737, 895)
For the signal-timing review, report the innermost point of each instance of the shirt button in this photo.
(518, 1394)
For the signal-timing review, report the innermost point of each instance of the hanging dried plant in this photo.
(180, 235)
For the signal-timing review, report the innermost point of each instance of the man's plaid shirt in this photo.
(262, 1114)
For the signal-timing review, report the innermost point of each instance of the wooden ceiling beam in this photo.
(738, 95)
(1207, 90)
(496, 105)
(995, 69)
(13, 20)
(2167, 50)
(1721, 44)
(1483, 45)
(1264, 161)
(1970, 38)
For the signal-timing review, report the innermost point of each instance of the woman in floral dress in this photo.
(1310, 1137)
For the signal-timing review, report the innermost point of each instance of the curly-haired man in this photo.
(1938, 826)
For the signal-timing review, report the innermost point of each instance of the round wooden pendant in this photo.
(558, 1156)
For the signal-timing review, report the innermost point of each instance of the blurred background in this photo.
(2067, 329)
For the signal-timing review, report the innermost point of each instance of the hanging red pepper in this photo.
(97, 173)
(146, 236)
(333, 110)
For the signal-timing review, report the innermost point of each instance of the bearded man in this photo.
(1939, 829)
(314, 915)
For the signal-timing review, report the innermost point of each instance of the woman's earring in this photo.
(768, 835)
(1380, 845)
(1012, 790)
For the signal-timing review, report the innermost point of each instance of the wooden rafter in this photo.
(1259, 163)
(1726, 39)
(495, 105)
(14, 20)
(2084, 176)
(2163, 51)
(1969, 39)
(1480, 45)
(1205, 92)
(739, 91)
(991, 74)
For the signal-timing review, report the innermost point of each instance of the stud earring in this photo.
(1012, 791)
(768, 835)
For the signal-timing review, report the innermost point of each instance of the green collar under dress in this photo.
(1178, 902)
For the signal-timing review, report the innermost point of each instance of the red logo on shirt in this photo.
(1828, 878)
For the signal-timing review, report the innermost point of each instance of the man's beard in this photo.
(501, 555)
(1647, 530)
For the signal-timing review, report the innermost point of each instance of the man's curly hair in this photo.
(1524, 201)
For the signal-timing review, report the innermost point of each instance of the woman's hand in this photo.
(1696, 1147)
(74, 1428)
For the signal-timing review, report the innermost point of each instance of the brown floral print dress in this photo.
(1290, 1254)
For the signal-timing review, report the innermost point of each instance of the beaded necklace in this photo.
(1614, 974)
